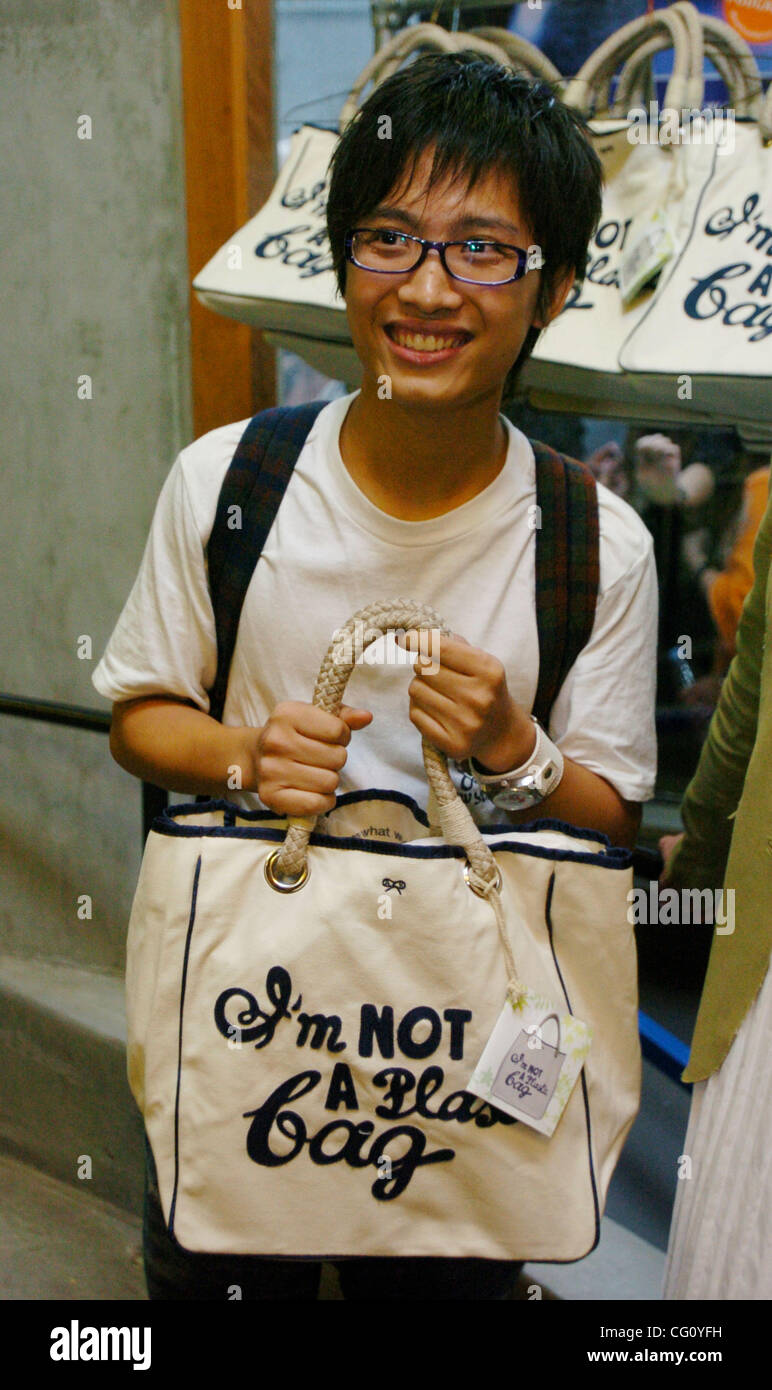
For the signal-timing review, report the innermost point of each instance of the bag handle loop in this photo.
(722, 35)
(523, 56)
(629, 90)
(594, 77)
(389, 58)
(637, 65)
(286, 868)
(364, 628)
(695, 86)
(730, 55)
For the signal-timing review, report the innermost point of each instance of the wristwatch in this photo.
(526, 785)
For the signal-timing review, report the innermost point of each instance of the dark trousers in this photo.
(174, 1273)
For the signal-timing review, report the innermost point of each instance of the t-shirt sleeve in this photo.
(164, 641)
(604, 715)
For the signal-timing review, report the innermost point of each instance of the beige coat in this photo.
(734, 775)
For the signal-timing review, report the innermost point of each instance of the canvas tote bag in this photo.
(709, 328)
(307, 1002)
(576, 362)
(664, 356)
(275, 273)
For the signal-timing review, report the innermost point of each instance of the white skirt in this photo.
(720, 1237)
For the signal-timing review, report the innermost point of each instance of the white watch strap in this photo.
(544, 753)
(490, 779)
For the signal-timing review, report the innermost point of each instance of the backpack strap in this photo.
(255, 484)
(567, 568)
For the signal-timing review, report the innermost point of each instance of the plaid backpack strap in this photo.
(567, 568)
(255, 483)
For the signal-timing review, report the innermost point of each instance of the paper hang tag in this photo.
(531, 1062)
(650, 248)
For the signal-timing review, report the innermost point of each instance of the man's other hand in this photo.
(460, 703)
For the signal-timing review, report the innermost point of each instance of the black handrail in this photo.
(53, 712)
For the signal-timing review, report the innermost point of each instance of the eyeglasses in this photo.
(476, 262)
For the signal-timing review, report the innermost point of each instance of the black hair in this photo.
(479, 116)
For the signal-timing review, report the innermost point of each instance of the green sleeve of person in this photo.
(713, 795)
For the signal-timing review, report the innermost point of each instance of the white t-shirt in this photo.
(330, 552)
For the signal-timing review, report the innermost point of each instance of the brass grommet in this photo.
(277, 881)
(474, 888)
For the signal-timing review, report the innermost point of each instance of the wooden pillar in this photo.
(227, 64)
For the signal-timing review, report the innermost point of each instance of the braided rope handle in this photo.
(387, 59)
(391, 56)
(522, 55)
(733, 59)
(594, 77)
(365, 627)
(637, 67)
(630, 88)
(730, 55)
(723, 35)
(695, 85)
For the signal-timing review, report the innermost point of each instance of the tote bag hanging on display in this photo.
(713, 318)
(577, 356)
(693, 347)
(309, 1001)
(276, 272)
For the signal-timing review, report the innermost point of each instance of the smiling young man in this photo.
(437, 440)
(454, 242)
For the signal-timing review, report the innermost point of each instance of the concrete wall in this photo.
(94, 282)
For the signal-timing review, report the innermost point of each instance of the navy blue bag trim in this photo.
(582, 1076)
(567, 544)
(188, 936)
(608, 856)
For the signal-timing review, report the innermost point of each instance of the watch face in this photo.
(517, 799)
